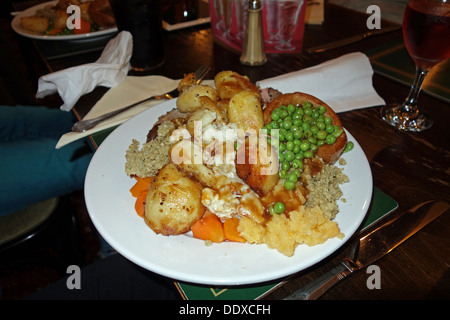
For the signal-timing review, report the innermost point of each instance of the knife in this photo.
(359, 37)
(373, 243)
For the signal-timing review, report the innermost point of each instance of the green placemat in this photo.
(393, 61)
(98, 137)
(381, 205)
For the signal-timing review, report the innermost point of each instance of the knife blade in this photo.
(373, 243)
(350, 40)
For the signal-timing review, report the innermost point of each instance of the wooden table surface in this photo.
(409, 167)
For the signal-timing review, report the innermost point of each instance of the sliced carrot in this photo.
(54, 31)
(139, 205)
(140, 185)
(208, 228)
(85, 27)
(230, 229)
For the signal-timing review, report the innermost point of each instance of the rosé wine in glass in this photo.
(426, 32)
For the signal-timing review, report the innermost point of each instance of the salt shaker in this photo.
(253, 48)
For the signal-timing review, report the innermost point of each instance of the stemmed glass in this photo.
(426, 32)
(224, 12)
(288, 12)
(272, 20)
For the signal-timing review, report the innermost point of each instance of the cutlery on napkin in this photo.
(109, 70)
(132, 89)
(344, 83)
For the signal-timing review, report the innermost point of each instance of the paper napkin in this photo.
(108, 71)
(131, 90)
(344, 83)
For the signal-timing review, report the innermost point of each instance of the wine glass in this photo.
(426, 32)
(224, 12)
(288, 14)
(272, 21)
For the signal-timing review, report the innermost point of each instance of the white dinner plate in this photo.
(184, 258)
(15, 24)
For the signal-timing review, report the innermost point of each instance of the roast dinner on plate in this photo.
(51, 20)
(235, 162)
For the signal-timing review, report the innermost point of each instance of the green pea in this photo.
(349, 146)
(308, 154)
(291, 108)
(315, 114)
(321, 135)
(308, 133)
(283, 113)
(299, 112)
(330, 139)
(312, 140)
(296, 149)
(272, 210)
(322, 109)
(285, 165)
(287, 124)
(307, 104)
(298, 134)
(297, 122)
(289, 156)
(330, 128)
(290, 145)
(305, 126)
(274, 125)
(308, 119)
(337, 133)
(289, 136)
(282, 147)
(292, 177)
(297, 164)
(327, 120)
(282, 174)
(305, 145)
(297, 172)
(275, 116)
(279, 207)
(288, 185)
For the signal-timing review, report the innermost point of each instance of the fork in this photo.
(83, 125)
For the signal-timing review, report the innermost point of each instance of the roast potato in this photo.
(173, 202)
(329, 153)
(189, 99)
(257, 164)
(35, 23)
(229, 83)
(245, 110)
(188, 80)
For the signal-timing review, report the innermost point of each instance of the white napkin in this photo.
(344, 83)
(131, 90)
(108, 71)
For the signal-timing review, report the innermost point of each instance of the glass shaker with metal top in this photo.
(253, 47)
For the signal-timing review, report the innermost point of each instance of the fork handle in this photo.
(316, 288)
(84, 125)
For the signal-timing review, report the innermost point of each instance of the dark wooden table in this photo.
(409, 167)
